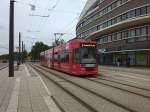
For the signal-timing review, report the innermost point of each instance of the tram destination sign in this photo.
(88, 45)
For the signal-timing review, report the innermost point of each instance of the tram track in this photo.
(3, 67)
(92, 92)
(122, 82)
(128, 77)
(144, 92)
(78, 99)
(133, 71)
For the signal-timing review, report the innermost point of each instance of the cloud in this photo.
(57, 22)
(1, 26)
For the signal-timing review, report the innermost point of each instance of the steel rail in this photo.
(90, 91)
(67, 91)
(98, 81)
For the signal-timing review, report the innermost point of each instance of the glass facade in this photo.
(133, 58)
(143, 11)
(101, 12)
(141, 58)
(116, 38)
(131, 35)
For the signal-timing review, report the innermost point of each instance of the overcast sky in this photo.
(61, 16)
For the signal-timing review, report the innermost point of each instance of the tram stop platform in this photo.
(26, 92)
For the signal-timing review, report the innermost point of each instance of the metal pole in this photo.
(19, 47)
(11, 39)
(24, 48)
(22, 52)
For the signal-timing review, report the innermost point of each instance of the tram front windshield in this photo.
(88, 55)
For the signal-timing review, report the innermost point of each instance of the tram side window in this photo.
(56, 57)
(76, 56)
(49, 57)
(62, 56)
(65, 56)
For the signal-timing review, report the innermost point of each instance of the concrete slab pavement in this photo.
(26, 92)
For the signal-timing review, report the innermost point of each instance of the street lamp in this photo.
(11, 39)
(17, 55)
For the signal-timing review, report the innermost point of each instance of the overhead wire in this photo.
(28, 3)
(52, 10)
(69, 30)
(42, 23)
(39, 25)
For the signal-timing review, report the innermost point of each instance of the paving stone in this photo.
(23, 96)
(25, 110)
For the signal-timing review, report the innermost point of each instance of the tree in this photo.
(24, 55)
(6, 56)
(37, 49)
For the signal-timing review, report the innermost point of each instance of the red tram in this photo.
(76, 57)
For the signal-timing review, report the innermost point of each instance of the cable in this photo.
(32, 26)
(52, 9)
(67, 31)
(70, 23)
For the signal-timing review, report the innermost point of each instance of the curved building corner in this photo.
(121, 29)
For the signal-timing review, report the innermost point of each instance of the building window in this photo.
(148, 9)
(100, 13)
(98, 27)
(118, 2)
(143, 10)
(131, 40)
(118, 19)
(138, 31)
(109, 8)
(114, 36)
(143, 31)
(132, 14)
(124, 17)
(148, 30)
(105, 39)
(103, 12)
(104, 25)
(109, 23)
(114, 5)
(114, 21)
(132, 32)
(138, 12)
(109, 38)
(141, 58)
(101, 41)
(124, 34)
(124, 1)
(131, 56)
(119, 36)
